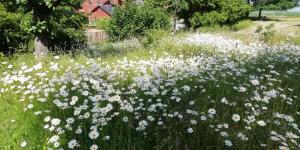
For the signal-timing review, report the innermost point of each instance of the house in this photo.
(98, 9)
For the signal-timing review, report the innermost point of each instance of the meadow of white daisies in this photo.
(198, 91)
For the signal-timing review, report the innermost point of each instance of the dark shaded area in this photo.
(264, 18)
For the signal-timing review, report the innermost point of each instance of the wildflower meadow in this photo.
(201, 91)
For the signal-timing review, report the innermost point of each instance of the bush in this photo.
(266, 34)
(212, 18)
(11, 33)
(102, 24)
(132, 20)
(214, 12)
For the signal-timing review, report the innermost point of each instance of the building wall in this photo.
(89, 5)
(98, 14)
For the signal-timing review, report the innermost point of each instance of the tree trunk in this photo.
(41, 46)
(259, 14)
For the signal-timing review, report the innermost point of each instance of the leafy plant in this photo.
(266, 33)
(241, 25)
(11, 33)
(261, 5)
(1, 57)
(132, 20)
(49, 20)
(204, 13)
(102, 24)
(153, 37)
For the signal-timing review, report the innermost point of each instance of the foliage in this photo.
(295, 40)
(153, 37)
(206, 13)
(102, 24)
(214, 29)
(12, 36)
(214, 12)
(211, 18)
(172, 6)
(108, 49)
(266, 33)
(133, 20)
(242, 25)
(55, 22)
(276, 13)
(1, 57)
(273, 5)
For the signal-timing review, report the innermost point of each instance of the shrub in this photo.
(102, 24)
(133, 20)
(267, 33)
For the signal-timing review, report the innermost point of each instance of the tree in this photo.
(261, 5)
(198, 13)
(11, 33)
(49, 19)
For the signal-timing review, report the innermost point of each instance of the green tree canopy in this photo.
(11, 33)
(50, 20)
(206, 12)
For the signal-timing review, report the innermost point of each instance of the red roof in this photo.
(99, 8)
(104, 2)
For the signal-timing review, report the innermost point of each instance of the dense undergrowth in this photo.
(197, 92)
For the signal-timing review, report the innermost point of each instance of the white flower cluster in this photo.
(81, 100)
(227, 45)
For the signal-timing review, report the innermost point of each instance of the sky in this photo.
(297, 9)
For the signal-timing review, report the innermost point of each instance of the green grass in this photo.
(244, 24)
(29, 127)
(241, 25)
(295, 40)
